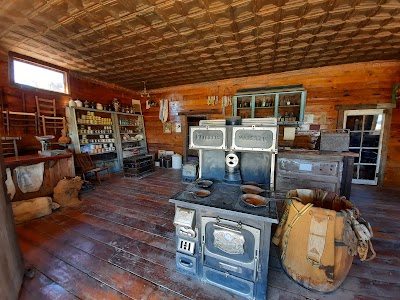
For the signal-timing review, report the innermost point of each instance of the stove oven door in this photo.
(230, 248)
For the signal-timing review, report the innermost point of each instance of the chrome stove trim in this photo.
(235, 244)
(256, 233)
(184, 217)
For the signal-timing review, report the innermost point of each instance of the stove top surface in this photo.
(227, 196)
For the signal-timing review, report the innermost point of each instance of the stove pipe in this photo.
(233, 121)
(232, 158)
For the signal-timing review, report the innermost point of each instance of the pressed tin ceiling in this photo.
(167, 43)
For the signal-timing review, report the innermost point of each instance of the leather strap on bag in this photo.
(290, 226)
(317, 237)
(277, 236)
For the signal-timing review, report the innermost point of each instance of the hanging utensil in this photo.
(223, 104)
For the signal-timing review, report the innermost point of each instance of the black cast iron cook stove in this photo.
(220, 239)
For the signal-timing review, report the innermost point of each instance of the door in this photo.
(11, 267)
(366, 132)
(230, 246)
(187, 121)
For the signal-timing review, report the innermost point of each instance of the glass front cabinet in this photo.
(286, 104)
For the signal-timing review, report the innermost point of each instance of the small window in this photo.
(38, 76)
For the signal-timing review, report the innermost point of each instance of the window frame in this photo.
(12, 56)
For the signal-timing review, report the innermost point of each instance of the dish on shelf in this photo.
(139, 137)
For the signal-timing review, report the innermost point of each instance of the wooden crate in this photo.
(139, 165)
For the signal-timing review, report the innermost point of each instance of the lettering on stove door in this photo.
(247, 138)
(228, 241)
(209, 138)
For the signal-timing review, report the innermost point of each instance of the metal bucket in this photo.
(168, 162)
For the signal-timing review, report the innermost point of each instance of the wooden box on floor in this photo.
(138, 165)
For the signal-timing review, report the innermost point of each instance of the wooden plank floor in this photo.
(119, 244)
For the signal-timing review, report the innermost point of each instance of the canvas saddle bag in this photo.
(318, 235)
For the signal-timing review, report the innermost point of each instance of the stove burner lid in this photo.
(227, 196)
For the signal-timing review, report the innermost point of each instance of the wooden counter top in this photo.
(21, 160)
(320, 154)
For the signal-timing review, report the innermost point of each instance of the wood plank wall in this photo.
(360, 83)
(80, 88)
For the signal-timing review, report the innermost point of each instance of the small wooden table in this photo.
(55, 169)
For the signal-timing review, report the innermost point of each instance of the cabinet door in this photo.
(264, 106)
(244, 106)
(290, 107)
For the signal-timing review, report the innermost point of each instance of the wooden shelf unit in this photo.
(114, 131)
(287, 104)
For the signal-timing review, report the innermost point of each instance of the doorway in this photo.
(187, 121)
(366, 136)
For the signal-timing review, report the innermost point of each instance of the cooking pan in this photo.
(251, 189)
(203, 183)
(253, 200)
(200, 193)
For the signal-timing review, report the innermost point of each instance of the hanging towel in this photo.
(10, 184)
(163, 110)
(30, 178)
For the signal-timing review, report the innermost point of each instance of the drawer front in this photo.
(230, 267)
(228, 282)
(306, 166)
(284, 183)
(186, 264)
